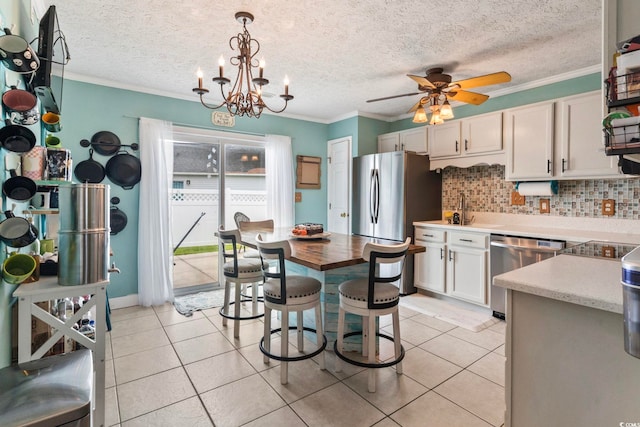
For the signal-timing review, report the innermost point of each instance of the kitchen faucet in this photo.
(461, 208)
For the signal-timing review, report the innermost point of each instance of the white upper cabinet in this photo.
(482, 134)
(580, 137)
(529, 135)
(558, 140)
(466, 142)
(388, 142)
(414, 139)
(445, 139)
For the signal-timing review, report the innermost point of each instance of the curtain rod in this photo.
(203, 127)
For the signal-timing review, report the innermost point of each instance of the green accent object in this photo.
(196, 250)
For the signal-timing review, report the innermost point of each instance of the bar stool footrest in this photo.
(293, 358)
(368, 365)
(232, 317)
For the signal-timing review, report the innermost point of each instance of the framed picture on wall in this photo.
(308, 172)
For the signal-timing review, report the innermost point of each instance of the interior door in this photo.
(339, 183)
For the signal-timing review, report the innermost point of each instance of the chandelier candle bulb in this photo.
(200, 75)
(221, 65)
(286, 85)
(262, 64)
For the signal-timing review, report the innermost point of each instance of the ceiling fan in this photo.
(437, 86)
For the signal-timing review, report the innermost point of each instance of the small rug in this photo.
(452, 313)
(187, 304)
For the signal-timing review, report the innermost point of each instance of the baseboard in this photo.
(123, 302)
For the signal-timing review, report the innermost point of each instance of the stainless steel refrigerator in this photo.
(391, 191)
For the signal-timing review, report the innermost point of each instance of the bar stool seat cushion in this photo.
(356, 291)
(246, 268)
(297, 287)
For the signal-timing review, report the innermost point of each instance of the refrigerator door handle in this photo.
(377, 211)
(372, 207)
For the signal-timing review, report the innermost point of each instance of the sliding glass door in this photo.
(214, 177)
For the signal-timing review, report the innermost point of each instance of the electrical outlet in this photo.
(608, 207)
(544, 206)
(298, 197)
(516, 198)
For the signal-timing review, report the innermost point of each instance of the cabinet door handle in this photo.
(548, 166)
(564, 161)
(466, 240)
(428, 235)
(402, 146)
(450, 255)
(441, 253)
(395, 147)
(456, 145)
(466, 145)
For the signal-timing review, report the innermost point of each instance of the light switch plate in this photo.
(544, 206)
(298, 196)
(608, 207)
(516, 198)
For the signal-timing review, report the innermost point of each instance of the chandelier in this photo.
(245, 96)
(438, 105)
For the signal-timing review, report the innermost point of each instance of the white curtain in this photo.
(155, 256)
(279, 180)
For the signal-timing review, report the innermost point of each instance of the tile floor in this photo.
(164, 369)
(195, 269)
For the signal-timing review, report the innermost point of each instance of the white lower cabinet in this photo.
(429, 266)
(455, 263)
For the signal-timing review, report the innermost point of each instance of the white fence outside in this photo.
(188, 205)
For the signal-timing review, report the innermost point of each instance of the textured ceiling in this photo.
(336, 53)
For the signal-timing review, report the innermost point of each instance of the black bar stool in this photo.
(240, 272)
(370, 298)
(288, 293)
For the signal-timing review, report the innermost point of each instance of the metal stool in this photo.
(371, 297)
(240, 272)
(287, 293)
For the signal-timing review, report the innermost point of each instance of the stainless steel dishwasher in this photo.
(509, 253)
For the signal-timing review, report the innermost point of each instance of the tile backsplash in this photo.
(486, 190)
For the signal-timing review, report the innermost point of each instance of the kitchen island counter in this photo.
(335, 251)
(591, 282)
(566, 363)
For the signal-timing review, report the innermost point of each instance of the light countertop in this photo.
(560, 228)
(591, 282)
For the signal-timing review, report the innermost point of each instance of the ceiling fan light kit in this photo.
(438, 89)
(245, 96)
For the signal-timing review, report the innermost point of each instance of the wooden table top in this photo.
(335, 251)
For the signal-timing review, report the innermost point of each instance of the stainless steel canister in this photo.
(631, 301)
(83, 207)
(83, 245)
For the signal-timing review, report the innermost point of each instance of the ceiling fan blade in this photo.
(394, 96)
(468, 97)
(422, 81)
(489, 79)
(415, 106)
